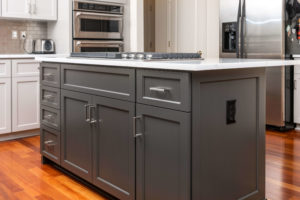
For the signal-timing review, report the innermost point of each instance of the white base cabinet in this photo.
(19, 96)
(5, 105)
(25, 103)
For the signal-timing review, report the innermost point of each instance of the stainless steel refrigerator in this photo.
(257, 29)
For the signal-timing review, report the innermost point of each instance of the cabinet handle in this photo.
(87, 118)
(49, 76)
(49, 143)
(92, 119)
(159, 89)
(295, 84)
(136, 135)
(49, 96)
(49, 117)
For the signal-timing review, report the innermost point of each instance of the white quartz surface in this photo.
(25, 56)
(180, 65)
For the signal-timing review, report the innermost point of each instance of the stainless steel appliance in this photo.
(97, 20)
(140, 55)
(43, 46)
(256, 29)
(97, 46)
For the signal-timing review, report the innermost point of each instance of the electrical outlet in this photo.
(14, 35)
(23, 35)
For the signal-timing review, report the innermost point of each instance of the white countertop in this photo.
(27, 56)
(180, 65)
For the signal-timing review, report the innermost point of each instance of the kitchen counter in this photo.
(178, 65)
(28, 56)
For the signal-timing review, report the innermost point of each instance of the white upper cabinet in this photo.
(29, 9)
(44, 9)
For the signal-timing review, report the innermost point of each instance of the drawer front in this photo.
(164, 89)
(50, 97)
(27, 67)
(5, 68)
(50, 117)
(50, 144)
(114, 82)
(50, 74)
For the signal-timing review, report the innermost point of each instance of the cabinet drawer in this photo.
(50, 97)
(164, 89)
(50, 144)
(111, 82)
(50, 74)
(27, 67)
(5, 68)
(50, 117)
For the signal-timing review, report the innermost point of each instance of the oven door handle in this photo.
(80, 43)
(97, 14)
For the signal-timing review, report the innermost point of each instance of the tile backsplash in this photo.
(34, 30)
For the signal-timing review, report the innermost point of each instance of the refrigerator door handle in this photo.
(243, 35)
(238, 30)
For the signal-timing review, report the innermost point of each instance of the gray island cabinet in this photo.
(150, 134)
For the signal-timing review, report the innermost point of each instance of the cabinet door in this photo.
(25, 103)
(16, 8)
(76, 134)
(297, 99)
(114, 147)
(5, 105)
(163, 154)
(44, 9)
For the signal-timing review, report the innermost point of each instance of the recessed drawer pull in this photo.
(49, 76)
(49, 143)
(159, 89)
(49, 117)
(49, 97)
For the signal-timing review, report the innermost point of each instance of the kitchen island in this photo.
(158, 130)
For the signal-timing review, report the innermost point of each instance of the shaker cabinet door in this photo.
(25, 103)
(5, 105)
(114, 147)
(76, 134)
(297, 98)
(163, 154)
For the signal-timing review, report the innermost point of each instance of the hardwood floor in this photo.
(23, 177)
(283, 165)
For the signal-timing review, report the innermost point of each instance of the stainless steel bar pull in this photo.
(87, 115)
(159, 89)
(136, 135)
(92, 109)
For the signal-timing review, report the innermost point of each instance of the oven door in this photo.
(97, 25)
(97, 46)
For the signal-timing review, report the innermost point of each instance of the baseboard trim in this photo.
(18, 135)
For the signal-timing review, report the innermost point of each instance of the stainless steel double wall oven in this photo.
(97, 26)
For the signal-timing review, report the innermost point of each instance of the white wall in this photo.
(197, 25)
(61, 30)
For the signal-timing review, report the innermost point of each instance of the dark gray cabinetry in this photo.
(50, 75)
(76, 134)
(114, 147)
(228, 135)
(163, 154)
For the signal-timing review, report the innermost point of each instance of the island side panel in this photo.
(228, 136)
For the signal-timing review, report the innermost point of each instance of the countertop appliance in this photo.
(97, 26)
(139, 55)
(43, 46)
(264, 29)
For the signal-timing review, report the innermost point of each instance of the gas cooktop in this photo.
(139, 55)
